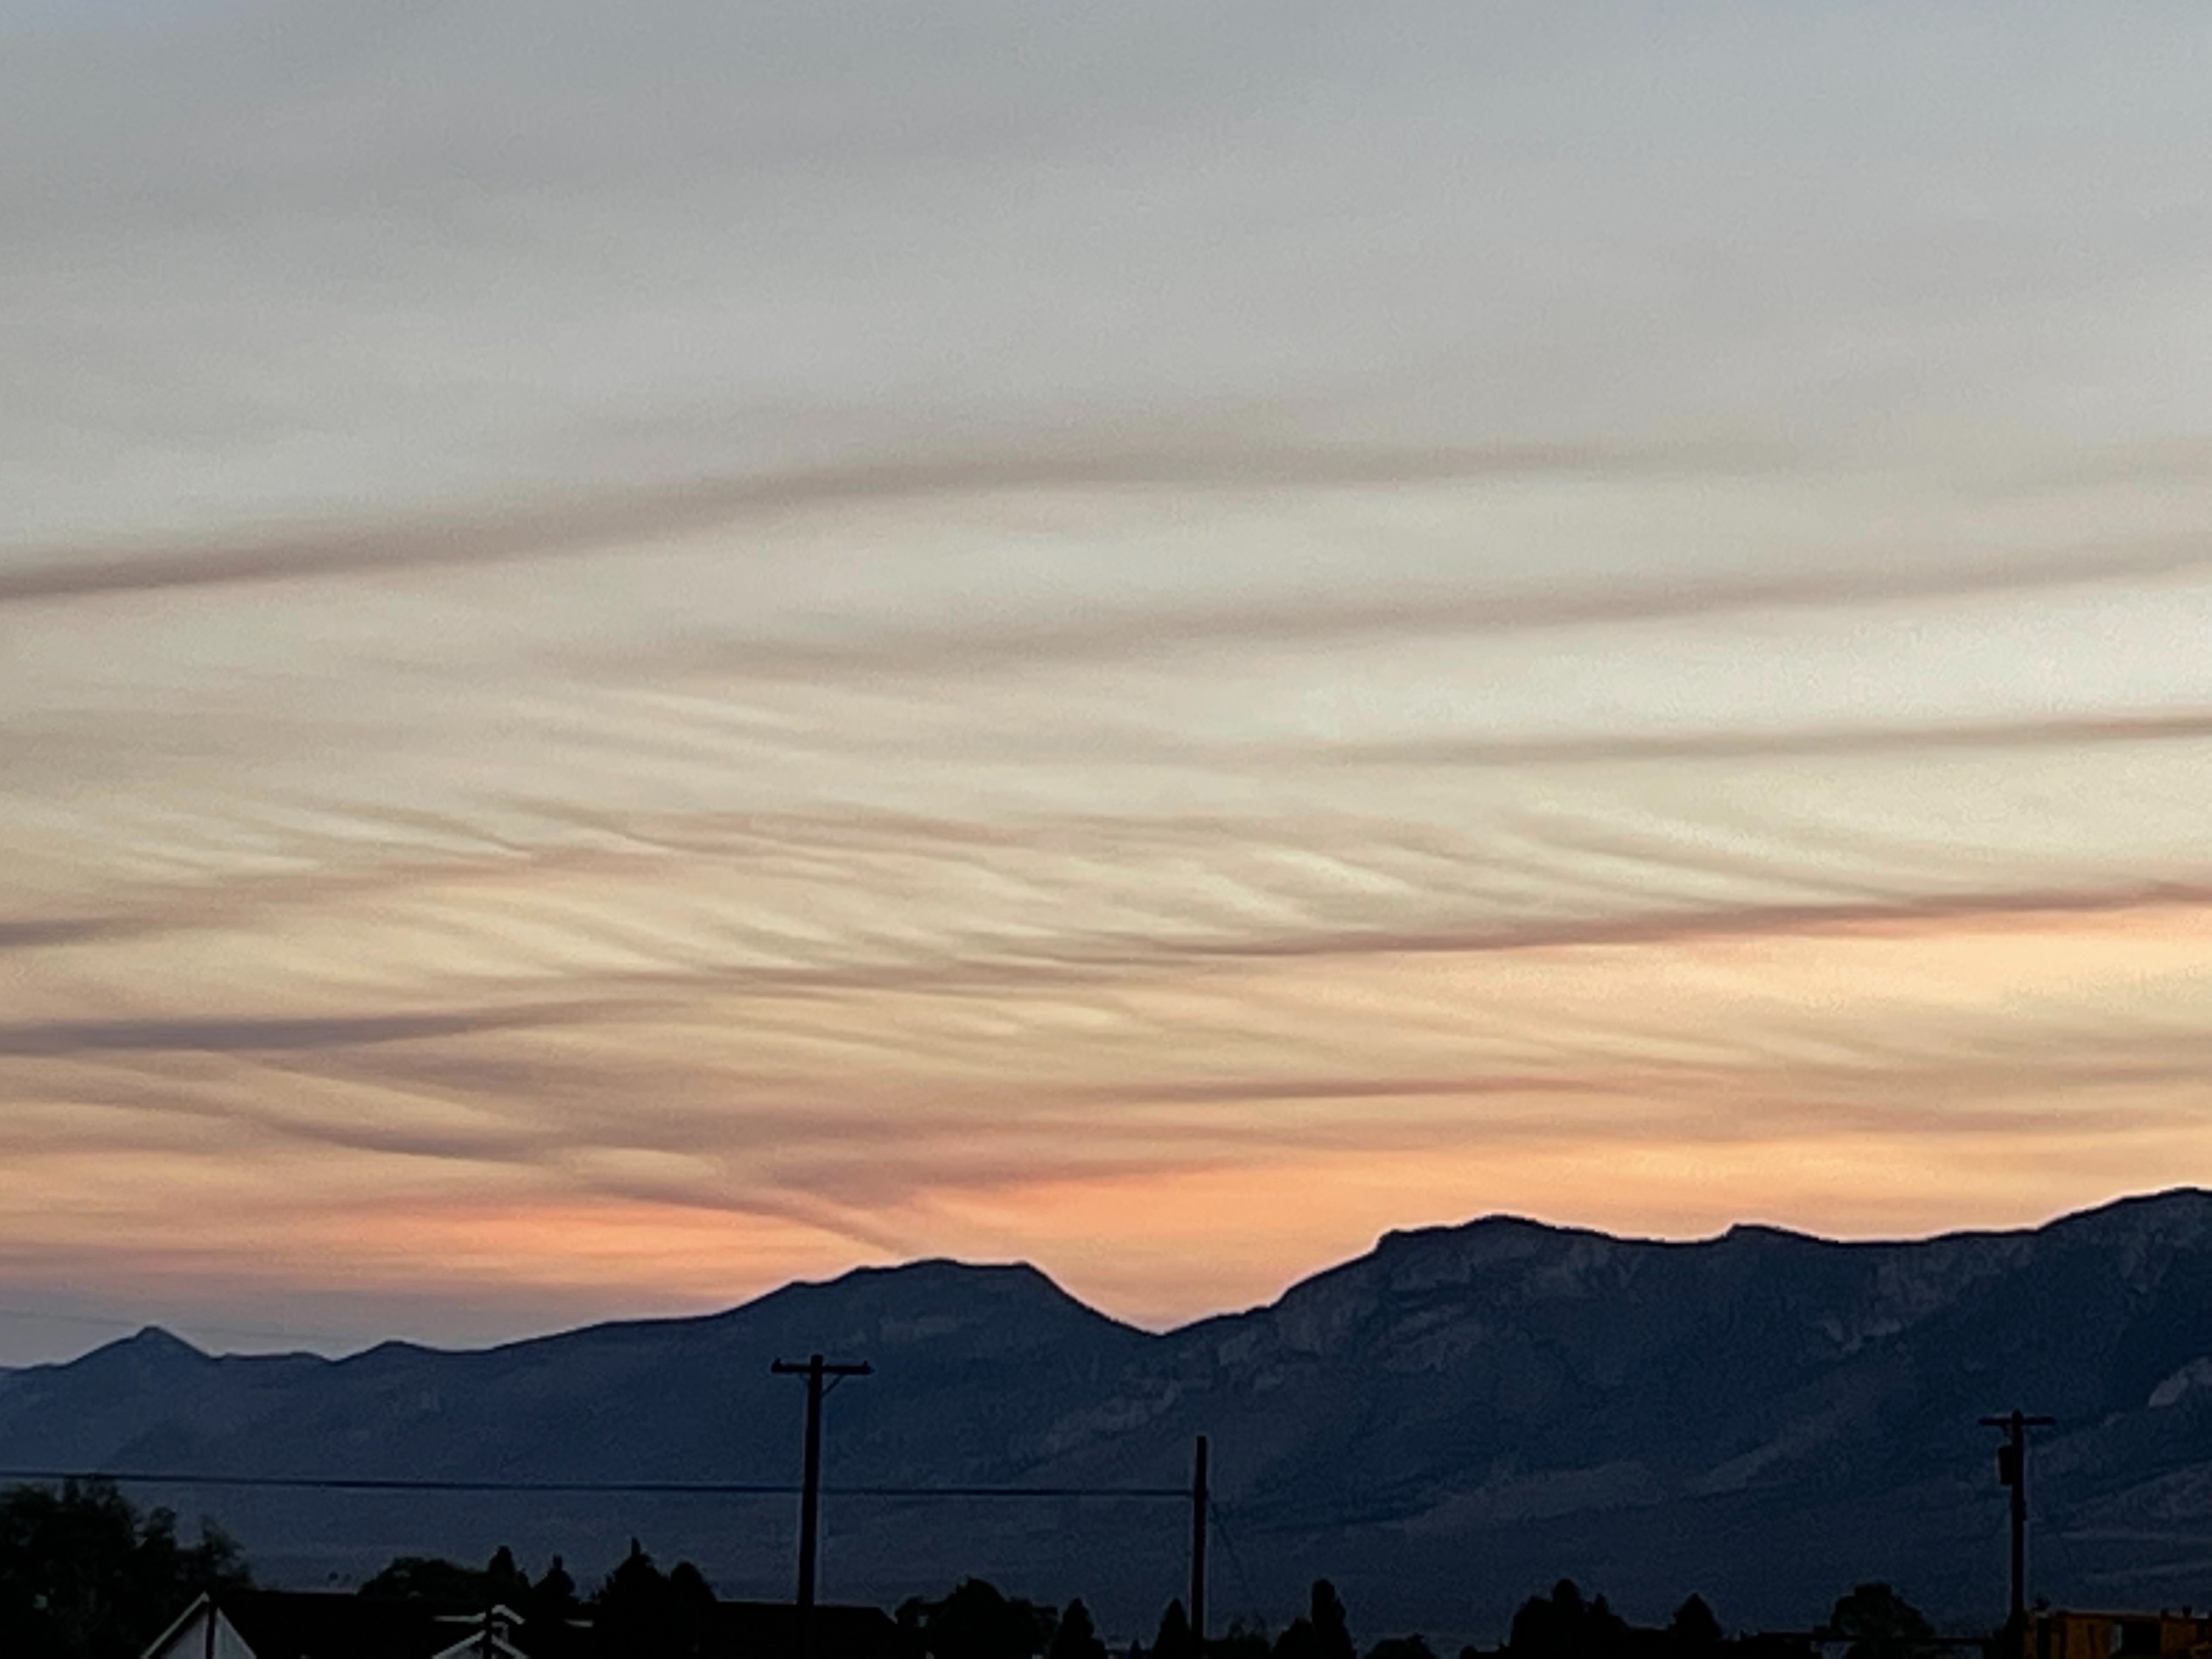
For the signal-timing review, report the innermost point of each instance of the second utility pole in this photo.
(809, 1492)
(2012, 1470)
(1198, 1513)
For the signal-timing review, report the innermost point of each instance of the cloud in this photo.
(33, 933)
(2046, 731)
(715, 863)
(245, 1034)
(1724, 921)
(1422, 611)
(566, 528)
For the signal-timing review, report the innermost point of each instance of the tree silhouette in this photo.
(554, 1595)
(1078, 1635)
(504, 1583)
(1324, 1633)
(1564, 1623)
(1174, 1639)
(427, 1579)
(83, 1575)
(501, 1583)
(977, 1621)
(1402, 1647)
(1693, 1629)
(640, 1608)
(1879, 1623)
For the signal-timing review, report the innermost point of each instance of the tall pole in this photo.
(815, 1371)
(1198, 1518)
(2012, 1472)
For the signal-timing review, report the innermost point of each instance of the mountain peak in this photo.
(150, 1345)
(1748, 1231)
(996, 1282)
(951, 1270)
(925, 1300)
(2171, 1201)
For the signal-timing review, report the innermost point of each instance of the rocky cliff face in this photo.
(1445, 1424)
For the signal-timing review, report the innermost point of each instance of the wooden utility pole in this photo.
(815, 1370)
(2012, 1470)
(1198, 1522)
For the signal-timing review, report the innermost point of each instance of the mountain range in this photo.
(1443, 1426)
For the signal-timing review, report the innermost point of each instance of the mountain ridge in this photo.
(1390, 1239)
(1453, 1419)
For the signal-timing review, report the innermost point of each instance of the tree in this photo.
(505, 1583)
(1330, 1622)
(636, 1582)
(1174, 1639)
(1324, 1633)
(1243, 1642)
(642, 1609)
(433, 1579)
(427, 1579)
(1563, 1624)
(1076, 1638)
(554, 1595)
(1693, 1629)
(83, 1575)
(1880, 1624)
(977, 1621)
(1402, 1647)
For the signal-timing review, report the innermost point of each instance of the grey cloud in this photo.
(567, 528)
(1106, 635)
(2061, 732)
(1477, 220)
(1235, 1091)
(31, 932)
(241, 1034)
(1749, 920)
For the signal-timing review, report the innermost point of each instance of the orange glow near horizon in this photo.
(1220, 1174)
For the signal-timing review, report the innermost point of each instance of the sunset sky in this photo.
(649, 648)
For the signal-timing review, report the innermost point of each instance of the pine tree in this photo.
(1332, 1625)
(1693, 1629)
(554, 1595)
(505, 1584)
(1174, 1640)
(1078, 1635)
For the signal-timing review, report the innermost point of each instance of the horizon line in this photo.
(352, 1346)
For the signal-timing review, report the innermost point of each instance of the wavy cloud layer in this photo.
(643, 651)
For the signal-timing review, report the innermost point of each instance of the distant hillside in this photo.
(1443, 1425)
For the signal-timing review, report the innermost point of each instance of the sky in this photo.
(649, 649)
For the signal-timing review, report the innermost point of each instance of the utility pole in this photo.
(815, 1370)
(2012, 1470)
(1198, 1520)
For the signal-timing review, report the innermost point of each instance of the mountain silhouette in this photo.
(1442, 1426)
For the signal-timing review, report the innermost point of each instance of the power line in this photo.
(574, 1488)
